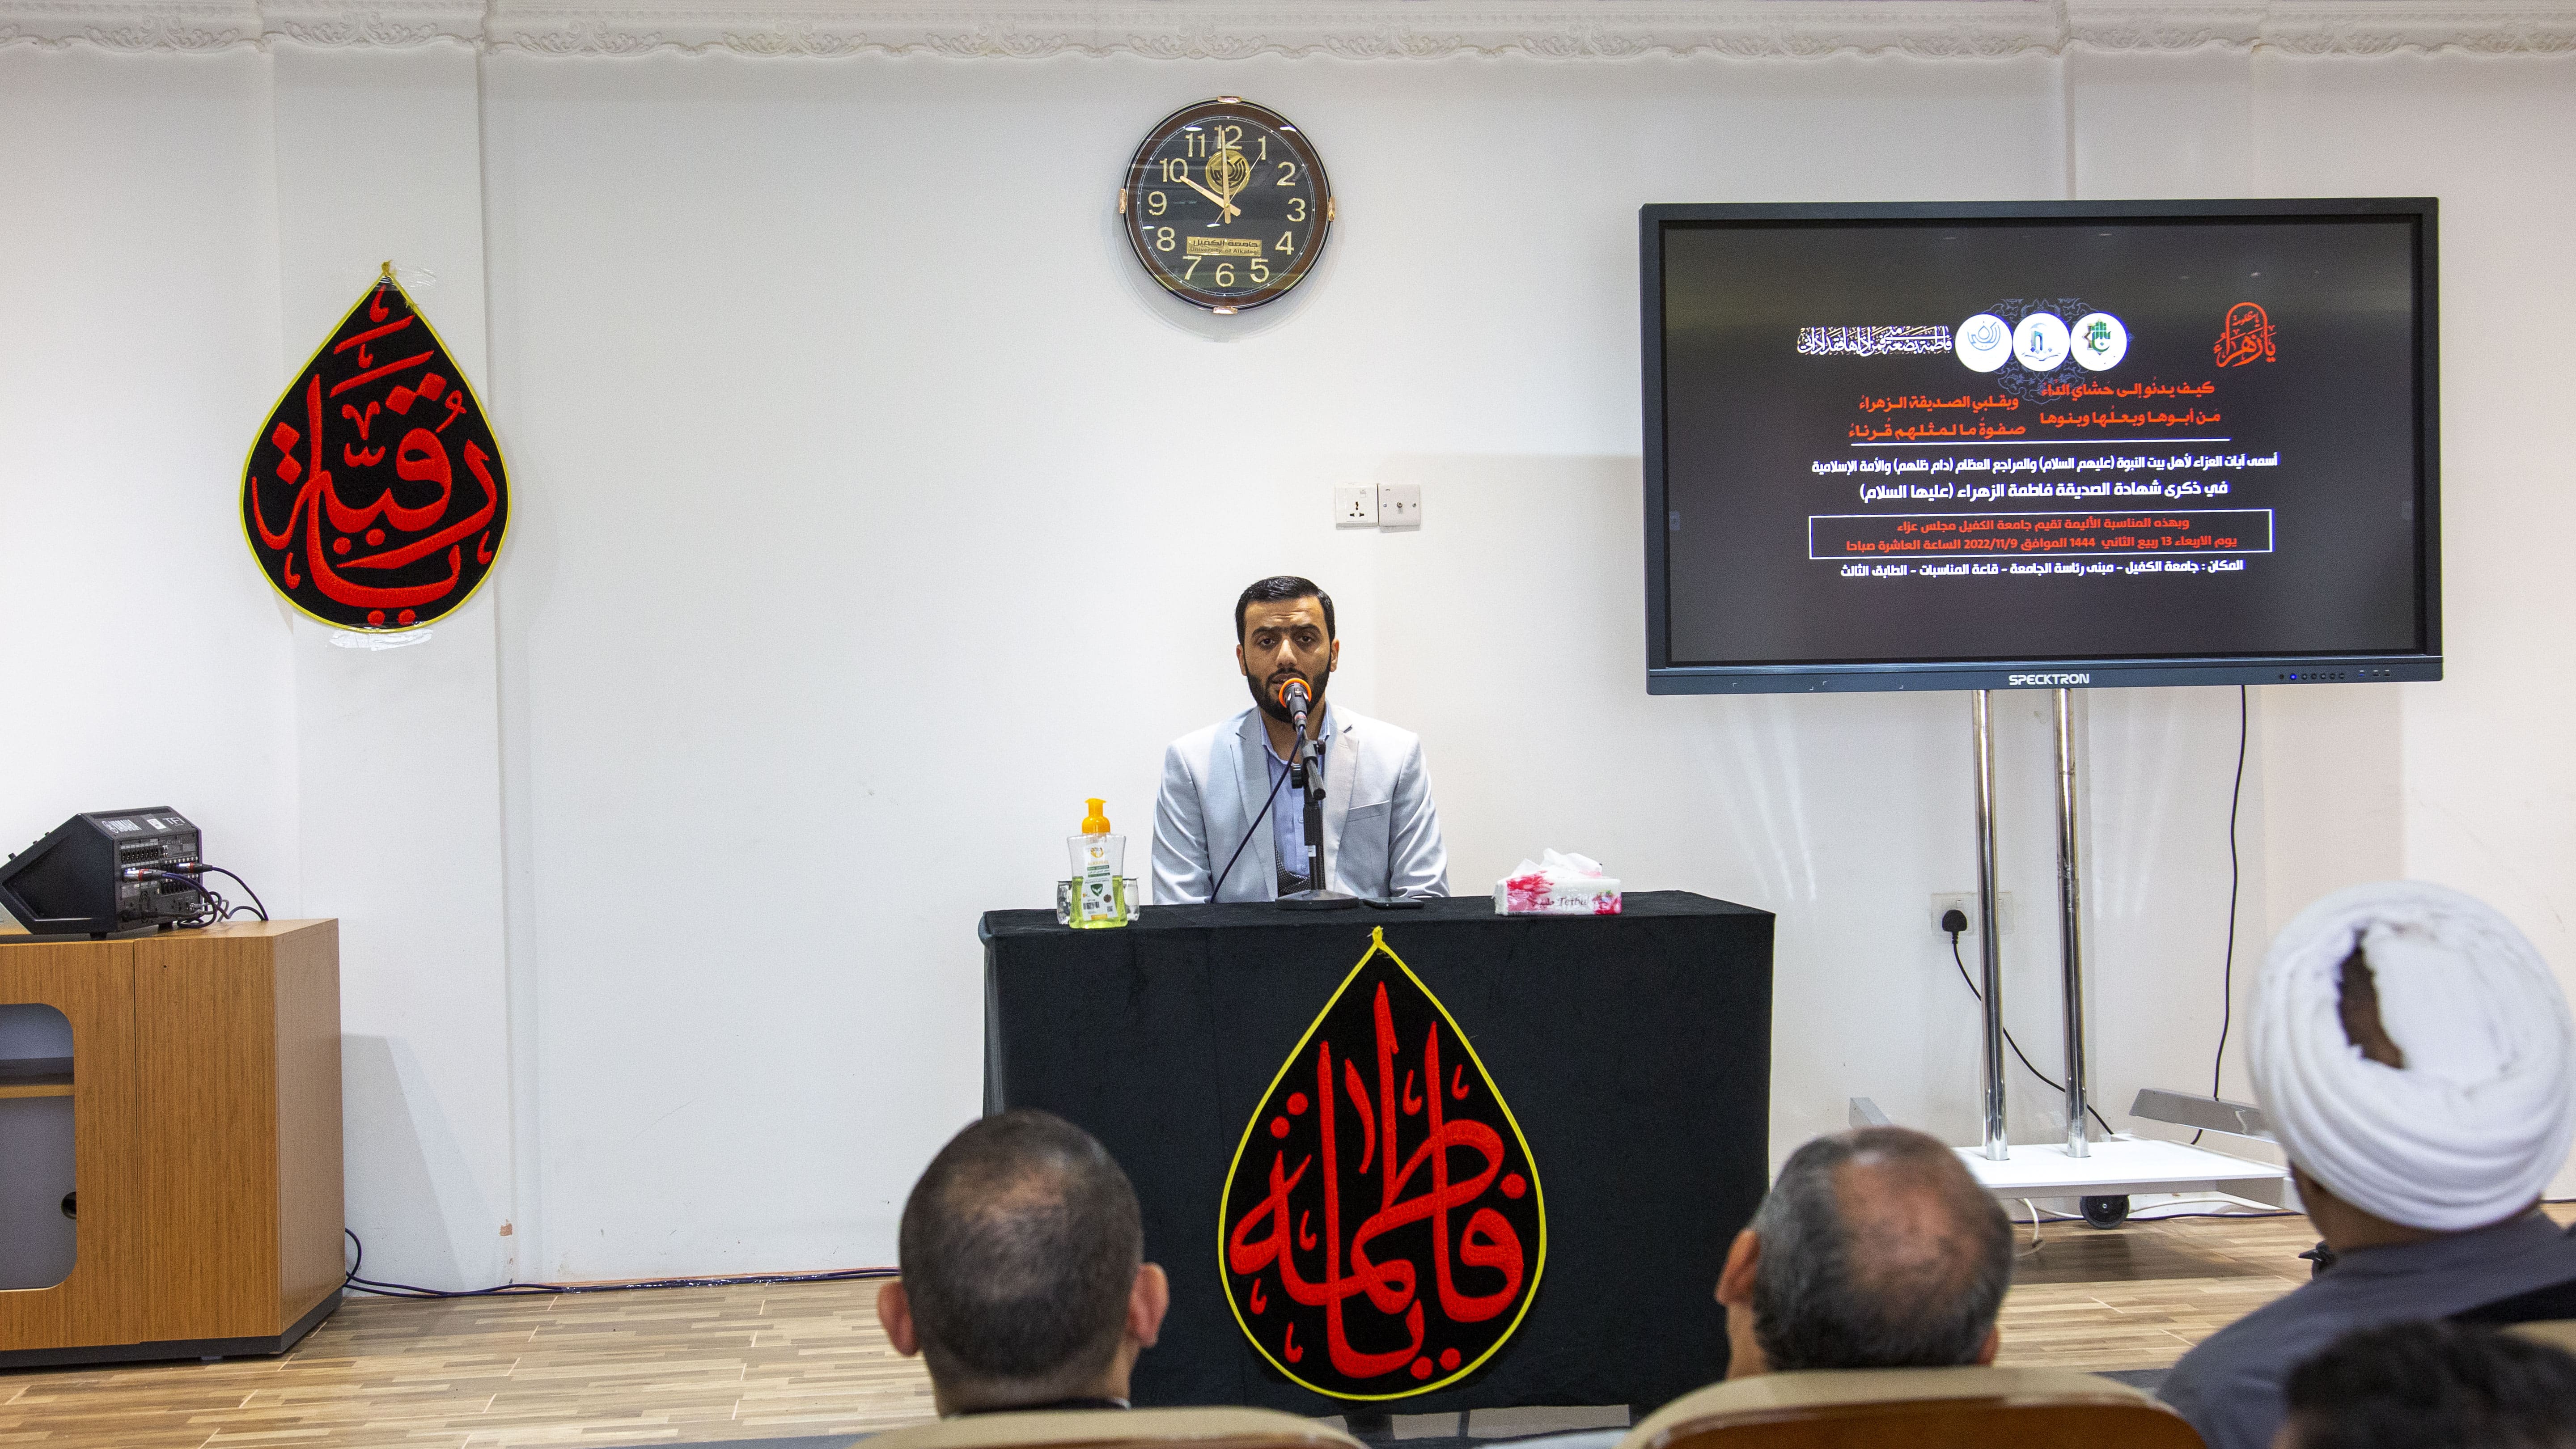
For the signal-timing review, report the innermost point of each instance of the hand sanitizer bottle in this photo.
(1099, 896)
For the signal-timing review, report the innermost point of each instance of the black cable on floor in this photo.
(537, 1290)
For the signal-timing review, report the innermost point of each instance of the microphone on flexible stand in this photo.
(1292, 697)
(1296, 699)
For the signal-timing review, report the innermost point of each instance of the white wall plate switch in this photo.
(1966, 902)
(1355, 505)
(1399, 505)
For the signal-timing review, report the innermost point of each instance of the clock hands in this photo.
(1227, 211)
(1231, 173)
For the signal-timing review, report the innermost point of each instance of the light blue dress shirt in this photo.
(1288, 809)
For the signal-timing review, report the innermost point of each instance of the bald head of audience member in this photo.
(1024, 1284)
(1875, 1249)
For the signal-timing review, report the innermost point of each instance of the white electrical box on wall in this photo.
(1399, 505)
(1355, 505)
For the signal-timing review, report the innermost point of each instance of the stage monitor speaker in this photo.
(74, 882)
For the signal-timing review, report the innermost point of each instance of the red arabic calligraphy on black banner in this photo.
(374, 497)
(1382, 1231)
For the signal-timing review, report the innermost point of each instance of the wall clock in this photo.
(1226, 204)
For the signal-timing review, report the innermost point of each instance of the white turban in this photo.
(2480, 1117)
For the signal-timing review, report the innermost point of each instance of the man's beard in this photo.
(1265, 696)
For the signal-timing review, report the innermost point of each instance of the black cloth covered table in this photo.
(1633, 1051)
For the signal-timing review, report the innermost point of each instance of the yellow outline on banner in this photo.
(1538, 1196)
(250, 460)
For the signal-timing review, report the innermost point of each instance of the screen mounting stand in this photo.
(2104, 1172)
(2069, 941)
(1998, 1143)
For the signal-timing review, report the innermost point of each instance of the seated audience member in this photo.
(2432, 1386)
(1024, 1285)
(1874, 1249)
(2414, 1056)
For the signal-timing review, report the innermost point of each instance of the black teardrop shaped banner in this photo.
(1382, 1230)
(374, 497)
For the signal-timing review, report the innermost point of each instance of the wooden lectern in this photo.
(205, 1078)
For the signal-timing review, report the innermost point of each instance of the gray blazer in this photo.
(1381, 836)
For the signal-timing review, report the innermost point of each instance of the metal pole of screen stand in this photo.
(2069, 942)
(1989, 936)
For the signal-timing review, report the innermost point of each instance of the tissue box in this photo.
(1543, 894)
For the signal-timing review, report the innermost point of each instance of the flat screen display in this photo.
(2043, 444)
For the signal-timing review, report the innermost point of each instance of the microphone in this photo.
(1292, 697)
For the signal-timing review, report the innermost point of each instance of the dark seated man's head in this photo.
(1875, 1249)
(2413, 1385)
(1023, 1275)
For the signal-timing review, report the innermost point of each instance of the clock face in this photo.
(1226, 204)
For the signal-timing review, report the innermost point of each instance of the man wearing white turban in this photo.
(2416, 1060)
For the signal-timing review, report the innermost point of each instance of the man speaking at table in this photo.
(1229, 827)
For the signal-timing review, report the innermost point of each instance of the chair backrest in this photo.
(2549, 1303)
(2557, 1333)
(1943, 1408)
(1101, 1428)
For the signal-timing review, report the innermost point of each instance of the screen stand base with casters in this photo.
(2123, 1166)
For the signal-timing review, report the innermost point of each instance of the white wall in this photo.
(842, 433)
(139, 663)
(2487, 781)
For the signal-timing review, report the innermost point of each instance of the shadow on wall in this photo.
(428, 1222)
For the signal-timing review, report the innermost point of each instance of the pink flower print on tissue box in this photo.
(1557, 885)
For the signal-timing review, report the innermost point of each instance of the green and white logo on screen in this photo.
(2099, 341)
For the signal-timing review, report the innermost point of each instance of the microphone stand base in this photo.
(1318, 901)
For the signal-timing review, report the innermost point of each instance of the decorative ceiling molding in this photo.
(333, 23)
(1350, 29)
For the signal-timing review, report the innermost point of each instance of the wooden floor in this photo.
(2135, 1297)
(658, 1367)
(683, 1365)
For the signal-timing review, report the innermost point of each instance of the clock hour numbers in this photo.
(1203, 142)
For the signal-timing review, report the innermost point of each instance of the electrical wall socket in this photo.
(1355, 505)
(1965, 902)
(1399, 505)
